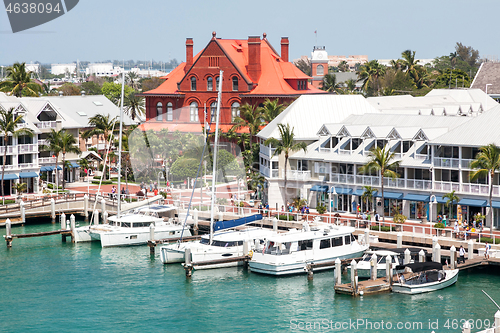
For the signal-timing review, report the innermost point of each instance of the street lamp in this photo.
(431, 202)
(334, 193)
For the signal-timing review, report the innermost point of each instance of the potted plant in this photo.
(399, 219)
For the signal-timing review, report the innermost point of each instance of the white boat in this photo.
(133, 228)
(397, 257)
(317, 243)
(225, 244)
(423, 277)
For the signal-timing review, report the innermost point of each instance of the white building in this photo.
(25, 161)
(58, 69)
(434, 137)
(103, 69)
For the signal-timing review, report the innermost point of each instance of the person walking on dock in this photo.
(461, 259)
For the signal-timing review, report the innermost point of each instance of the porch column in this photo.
(431, 169)
(460, 178)
(406, 177)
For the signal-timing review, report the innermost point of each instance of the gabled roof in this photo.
(488, 73)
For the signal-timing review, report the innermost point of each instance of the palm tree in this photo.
(487, 162)
(382, 161)
(370, 73)
(251, 118)
(285, 145)
(350, 85)
(271, 109)
(304, 64)
(54, 145)
(133, 105)
(343, 66)
(68, 145)
(330, 83)
(408, 63)
(368, 195)
(9, 122)
(19, 83)
(20, 188)
(450, 199)
(132, 79)
(102, 125)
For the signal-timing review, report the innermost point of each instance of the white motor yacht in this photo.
(423, 277)
(133, 228)
(397, 258)
(316, 242)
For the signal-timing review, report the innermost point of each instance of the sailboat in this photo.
(135, 226)
(222, 244)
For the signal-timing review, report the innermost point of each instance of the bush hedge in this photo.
(285, 217)
(104, 182)
(385, 229)
(489, 240)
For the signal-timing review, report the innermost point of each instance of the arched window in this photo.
(217, 83)
(235, 111)
(320, 70)
(213, 112)
(170, 112)
(235, 83)
(210, 84)
(193, 112)
(193, 83)
(159, 111)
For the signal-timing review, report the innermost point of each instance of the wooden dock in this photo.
(365, 287)
(63, 233)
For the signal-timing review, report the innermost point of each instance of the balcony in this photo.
(47, 124)
(31, 148)
(264, 171)
(28, 165)
(10, 150)
(9, 167)
(421, 157)
(442, 162)
(298, 175)
(266, 150)
(466, 163)
(43, 142)
(47, 160)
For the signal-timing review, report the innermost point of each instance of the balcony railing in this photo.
(421, 156)
(44, 160)
(28, 165)
(10, 149)
(324, 150)
(42, 142)
(264, 171)
(298, 175)
(266, 150)
(466, 163)
(30, 148)
(345, 152)
(47, 124)
(9, 167)
(442, 162)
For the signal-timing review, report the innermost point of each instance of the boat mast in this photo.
(118, 190)
(214, 169)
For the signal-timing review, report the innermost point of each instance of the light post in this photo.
(431, 202)
(334, 193)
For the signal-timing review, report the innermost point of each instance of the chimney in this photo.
(284, 49)
(254, 69)
(189, 54)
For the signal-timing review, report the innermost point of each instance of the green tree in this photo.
(382, 161)
(68, 145)
(132, 80)
(370, 74)
(467, 54)
(271, 109)
(451, 198)
(285, 145)
(20, 188)
(185, 167)
(330, 84)
(91, 88)
(304, 65)
(450, 78)
(150, 84)
(104, 126)
(133, 105)
(54, 145)
(343, 66)
(113, 91)
(368, 195)
(9, 125)
(69, 89)
(19, 83)
(250, 118)
(487, 162)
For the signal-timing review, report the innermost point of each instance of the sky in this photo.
(157, 29)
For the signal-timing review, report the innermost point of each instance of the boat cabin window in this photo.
(126, 224)
(226, 244)
(305, 245)
(353, 239)
(337, 241)
(382, 260)
(205, 241)
(325, 243)
(347, 239)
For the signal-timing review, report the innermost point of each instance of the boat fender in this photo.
(250, 254)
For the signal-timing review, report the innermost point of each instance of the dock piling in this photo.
(103, 207)
(8, 233)
(310, 273)
(275, 224)
(195, 217)
(105, 217)
(354, 273)
(400, 240)
(338, 271)
(86, 207)
(53, 210)
(62, 218)
(152, 239)
(188, 267)
(23, 211)
(421, 256)
(96, 217)
(72, 226)
(373, 267)
(407, 257)
(436, 253)
(453, 257)
(470, 250)
(497, 322)
(367, 237)
(388, 266)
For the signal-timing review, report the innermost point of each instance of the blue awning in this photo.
(441, 200)
(341, 190)
(74, 165)
(390, 195)
(320, 188)
(43, 169)
(28, 175)
(416, 197)
(473, 202)
(359, 192)
(49, 168)
(495, 204)
(9, 176)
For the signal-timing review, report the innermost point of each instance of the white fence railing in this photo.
(46, 160)
(29, 148)
(266, 150)
(10, 149)
(47, 124)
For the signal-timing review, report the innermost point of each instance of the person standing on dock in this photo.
(461, 259)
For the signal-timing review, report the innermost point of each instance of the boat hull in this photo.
(134, 237)
(82, 234)
(451, 278)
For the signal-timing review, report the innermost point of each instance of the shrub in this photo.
(321, 209)
(104, 182)
(385, 229)
(9, 201)
(399, 218)
(439, 225)
(489, 240)
(285, 217)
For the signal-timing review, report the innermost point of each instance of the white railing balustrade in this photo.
(344, 152)
(29, 148)
(28, 165)
(442, 162)
(275, 174)
(10, 149)
(9, 167)
(466, 163)
(46, 160)
(264, 171)
(421, 156)
(47, 124)
(324, 150)
(298, 174)
(266, 150)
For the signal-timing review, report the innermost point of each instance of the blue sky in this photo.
(157, 29)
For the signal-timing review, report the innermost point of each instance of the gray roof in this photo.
(488, 73)
(308, 113)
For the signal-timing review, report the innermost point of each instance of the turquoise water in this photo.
(50, 286)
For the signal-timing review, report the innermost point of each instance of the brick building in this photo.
(253, 71)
